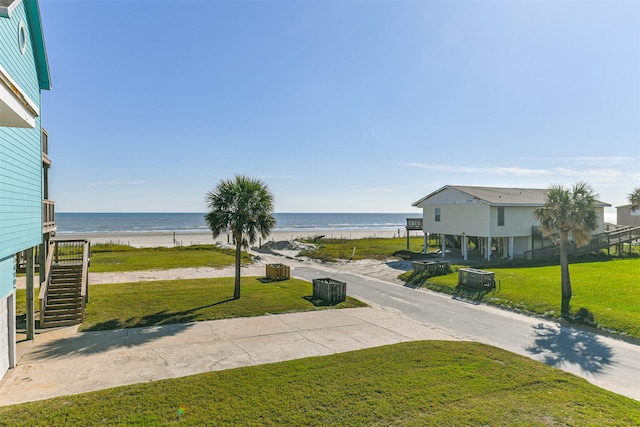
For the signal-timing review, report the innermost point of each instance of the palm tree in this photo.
(244, 207)
(634, 199)
(568, 211)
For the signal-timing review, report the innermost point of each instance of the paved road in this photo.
(609, 363)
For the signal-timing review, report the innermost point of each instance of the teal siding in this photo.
(7, 277)
(21, 67)
(20, 150)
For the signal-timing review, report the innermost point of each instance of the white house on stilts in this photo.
(490, 221)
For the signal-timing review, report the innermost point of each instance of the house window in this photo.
(22, 37)
(437, 214)
(500, 215)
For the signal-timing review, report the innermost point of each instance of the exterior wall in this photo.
(20, 150)
(4, 336)
(21, 66)
(600, 220)
(520, 245)
(478, 219)
(625, 216)
(20, 176)
(471, 219)
(518, 221)
(7, 313)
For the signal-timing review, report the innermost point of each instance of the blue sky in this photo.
(339, 106)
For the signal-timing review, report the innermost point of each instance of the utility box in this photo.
(278, 272)
(329, 290)
(433, 268)
(477, 279)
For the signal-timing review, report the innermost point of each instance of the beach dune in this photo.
(170, 239)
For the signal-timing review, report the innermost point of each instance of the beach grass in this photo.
(330, 250)
(408, 384)
(606, 293)
(153, 303)
(116, 258)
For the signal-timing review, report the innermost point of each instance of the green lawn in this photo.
(129, 305)
(114, 258)
(433, 383)
(369, 248)
(606, 293)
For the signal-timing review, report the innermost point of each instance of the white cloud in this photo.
(605, 174)
(113, 182)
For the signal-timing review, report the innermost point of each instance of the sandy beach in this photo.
(170, 239)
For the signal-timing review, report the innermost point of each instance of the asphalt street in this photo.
(610, 363)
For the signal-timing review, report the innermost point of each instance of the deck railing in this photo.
(598, 242)
(44, 137)
(414, 223)
(44, 286)
(48, 215)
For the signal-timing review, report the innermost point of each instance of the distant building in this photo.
(627, 216)
(26, 217)
(499, 222)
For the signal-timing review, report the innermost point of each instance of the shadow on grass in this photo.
(472, 295)
(135, 331)
(320, 302)
(562, 344)
(400, 265)
(103, 341)
(165, 317)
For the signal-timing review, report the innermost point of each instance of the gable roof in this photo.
(499, 196)
(37, 37)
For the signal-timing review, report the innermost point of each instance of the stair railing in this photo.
(84, 292)
(63, 252)
(44, 286)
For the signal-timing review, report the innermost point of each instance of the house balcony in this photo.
(44, 137)
(414, 223)
(48, 216)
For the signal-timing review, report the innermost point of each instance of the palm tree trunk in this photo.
(236, 290)
(564, 269)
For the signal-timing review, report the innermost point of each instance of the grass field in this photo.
(114, 258)
(606, 293)
(370, 248)
(130, 305)
(431, 383)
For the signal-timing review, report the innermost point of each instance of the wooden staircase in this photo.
(64, 294)
(598, 242)
(64, 304)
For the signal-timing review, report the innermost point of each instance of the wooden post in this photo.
(407, 237)
(31, 313)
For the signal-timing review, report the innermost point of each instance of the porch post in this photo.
(464, 246)
(31, 313)
(11, 326)
(510, 247)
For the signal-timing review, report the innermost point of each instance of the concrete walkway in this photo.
(62, 362)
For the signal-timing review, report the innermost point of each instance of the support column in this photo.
(11, 326)
(489, 248)
(31, 312)
(464, 246)
(443, 245)
(511, 249)
(426, 242)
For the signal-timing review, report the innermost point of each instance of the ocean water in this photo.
(69, 223)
